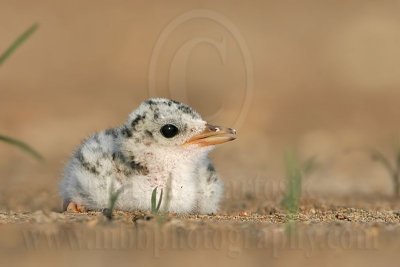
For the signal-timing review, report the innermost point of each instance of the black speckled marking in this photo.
(96, 138)
(210, 167)
(138, 118)
(85, 164)
(156, 113)
(139, 168)
(121, 164)
(98, 164)
(148, 133)
(176, 102)
(150, 102)
(185, 109)
(117, 156)
(182, 107)
(126, 132)
(113, 132)
(128, 166)
(212, 178)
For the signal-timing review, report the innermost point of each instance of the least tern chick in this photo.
(164, 144)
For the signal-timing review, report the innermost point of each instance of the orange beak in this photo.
(212, 135)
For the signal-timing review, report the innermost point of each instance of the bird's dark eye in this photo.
(169, 130)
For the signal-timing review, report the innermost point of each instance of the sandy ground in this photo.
(321, 233)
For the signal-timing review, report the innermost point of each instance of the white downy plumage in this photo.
(163, 144)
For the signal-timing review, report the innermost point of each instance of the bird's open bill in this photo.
(212, 135)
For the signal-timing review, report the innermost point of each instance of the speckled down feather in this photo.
(135, 158)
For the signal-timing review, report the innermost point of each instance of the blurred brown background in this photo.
(326, 78)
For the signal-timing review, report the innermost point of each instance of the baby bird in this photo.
(164, 144)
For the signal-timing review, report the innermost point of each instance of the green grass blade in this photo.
(18, 42)
(159, 201)
(114, 195)
(23, 146)
(293, 191)
(153, 200)
(114, 198)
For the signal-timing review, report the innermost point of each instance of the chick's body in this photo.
(162, 145)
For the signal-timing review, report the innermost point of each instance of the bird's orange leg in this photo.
(73, 207)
